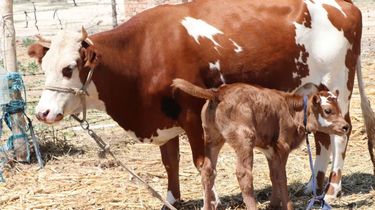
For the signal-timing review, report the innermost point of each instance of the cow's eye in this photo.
(67, 71)
(328, 111)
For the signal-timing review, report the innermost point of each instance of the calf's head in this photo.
(65, 60)
(325, 114)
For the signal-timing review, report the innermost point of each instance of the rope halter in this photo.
(81, 92)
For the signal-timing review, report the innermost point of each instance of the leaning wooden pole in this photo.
(114, 14)
(10, 64)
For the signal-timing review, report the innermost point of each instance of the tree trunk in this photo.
(114, 13)
(10, 64)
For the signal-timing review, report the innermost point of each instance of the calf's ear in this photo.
(337, 93)
(307, 89)
(37, 51)
(316, 100)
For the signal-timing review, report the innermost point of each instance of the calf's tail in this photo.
(193, 90)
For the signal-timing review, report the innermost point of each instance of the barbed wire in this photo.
(35, 19)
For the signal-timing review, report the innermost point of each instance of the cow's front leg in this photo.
(323, 153)
(170, 155)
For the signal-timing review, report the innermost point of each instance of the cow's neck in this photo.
(116, 77)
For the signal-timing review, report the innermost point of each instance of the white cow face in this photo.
(61, 64)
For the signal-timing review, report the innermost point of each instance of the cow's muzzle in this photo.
(44, 117)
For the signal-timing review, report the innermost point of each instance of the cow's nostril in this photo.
(45, 113)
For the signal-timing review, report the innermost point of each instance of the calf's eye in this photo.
(327, 111)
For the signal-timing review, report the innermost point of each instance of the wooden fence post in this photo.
(114, 13)
(10, 64)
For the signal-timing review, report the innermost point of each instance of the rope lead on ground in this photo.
(105, 149)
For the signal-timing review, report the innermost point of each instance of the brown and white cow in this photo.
(276, 44)
(274, 122)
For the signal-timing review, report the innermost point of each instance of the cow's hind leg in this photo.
(171, 158)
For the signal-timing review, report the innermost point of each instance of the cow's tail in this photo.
(368, 114)
(192, 89)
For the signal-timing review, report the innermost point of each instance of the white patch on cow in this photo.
(199, 28)
(267, 152)
(132, 135)
(322, 159)
(216, 67)
(339, 143)
(295, 75)
(332, 3)
(321, 165)
(336, 189)
(237, 48)
(63, 52)
(216, 202)
(323, 121)
(164, 135)
(338, 147)
(170, 198)
(327, 48)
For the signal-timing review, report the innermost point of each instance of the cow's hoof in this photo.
(176, 204)
(329, 198)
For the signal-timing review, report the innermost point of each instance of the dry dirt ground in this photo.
(75, 178)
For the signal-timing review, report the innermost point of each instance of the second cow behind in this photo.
(271, 121)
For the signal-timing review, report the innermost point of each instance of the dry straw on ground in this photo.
(75, 178)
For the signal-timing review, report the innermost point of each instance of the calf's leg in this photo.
(241, 139)
(208, 174)
(275, 201)
(277, 167)
(244, 173)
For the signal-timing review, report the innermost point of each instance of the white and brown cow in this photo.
(276, 44)
(249, 117)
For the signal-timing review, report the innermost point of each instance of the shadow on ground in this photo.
(356, 183)
(54, 148)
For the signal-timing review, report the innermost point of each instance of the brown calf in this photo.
(249, 117)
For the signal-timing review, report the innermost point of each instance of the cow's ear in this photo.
(37, 51)
(89, 56)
